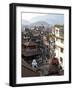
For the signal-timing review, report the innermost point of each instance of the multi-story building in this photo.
(59, 43)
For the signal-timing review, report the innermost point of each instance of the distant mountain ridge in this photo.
(40, 23)
(25, 23)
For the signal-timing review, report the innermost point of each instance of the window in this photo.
(62, 32)
(62, 41)
(61, 59)
(61, 50)
(56, 31)
(54, 54)
(57, 39)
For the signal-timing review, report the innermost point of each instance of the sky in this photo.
(49, 18)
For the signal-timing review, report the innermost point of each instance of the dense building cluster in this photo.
(42, 50)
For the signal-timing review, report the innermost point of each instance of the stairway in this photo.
(27, 70)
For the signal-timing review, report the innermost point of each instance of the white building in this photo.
(59, 43)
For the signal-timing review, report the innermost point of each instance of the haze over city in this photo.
(28, 18)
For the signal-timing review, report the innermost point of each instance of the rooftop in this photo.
(29, 43)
